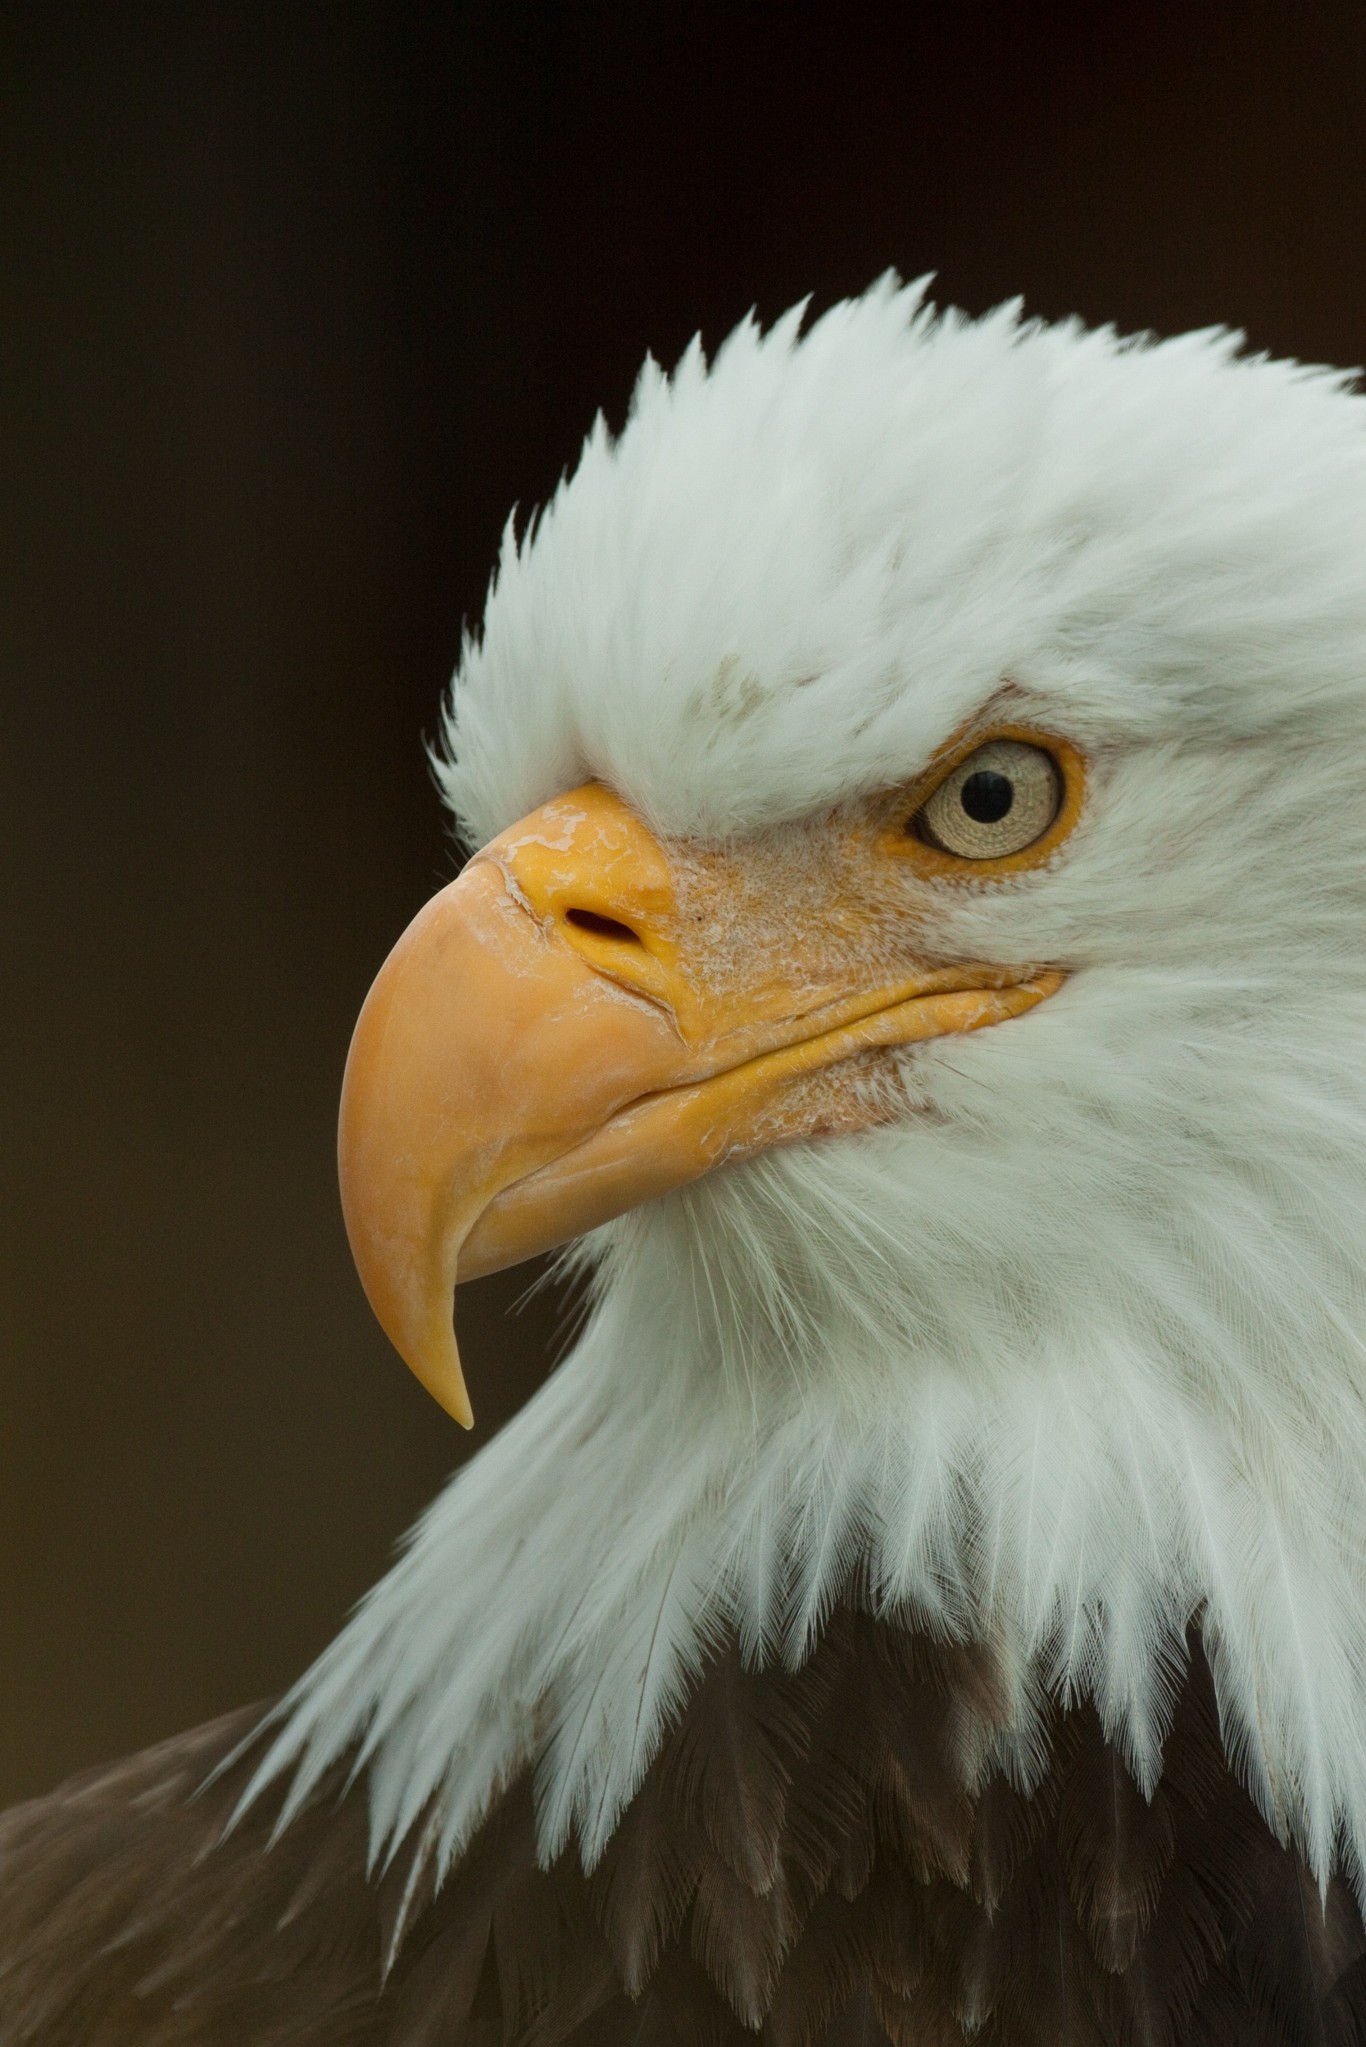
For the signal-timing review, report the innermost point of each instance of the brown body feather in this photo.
(821, 1857)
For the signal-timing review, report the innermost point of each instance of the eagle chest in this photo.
(827, 1856)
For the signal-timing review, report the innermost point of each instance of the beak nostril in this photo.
(602, 927)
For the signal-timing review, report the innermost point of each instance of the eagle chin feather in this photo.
(931, 1596)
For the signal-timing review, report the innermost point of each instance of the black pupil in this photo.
(987, 796)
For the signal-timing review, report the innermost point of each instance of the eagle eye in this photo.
(996, 802)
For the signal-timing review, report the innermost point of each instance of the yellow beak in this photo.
(555, 1039)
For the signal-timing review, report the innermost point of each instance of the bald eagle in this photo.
(917, 963)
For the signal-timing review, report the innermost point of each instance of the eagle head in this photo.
(917, 955)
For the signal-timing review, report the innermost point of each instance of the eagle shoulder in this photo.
(131, 1917)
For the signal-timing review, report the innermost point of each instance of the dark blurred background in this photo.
(298, 300)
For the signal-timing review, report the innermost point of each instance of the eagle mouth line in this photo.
(946, 1002)
(864, 1022)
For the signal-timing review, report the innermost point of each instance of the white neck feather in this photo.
(1076, 1509)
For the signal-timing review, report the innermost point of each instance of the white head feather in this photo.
(1079, 1348)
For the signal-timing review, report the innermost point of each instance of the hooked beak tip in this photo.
(436, 1363)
